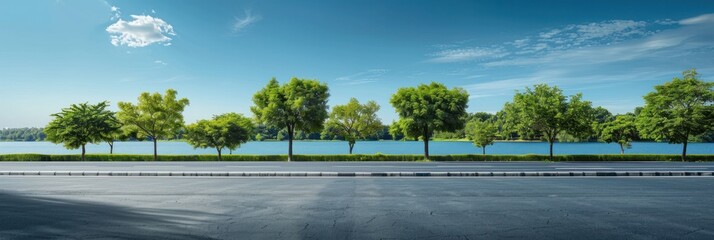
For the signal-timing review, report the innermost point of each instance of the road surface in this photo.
(35, 207)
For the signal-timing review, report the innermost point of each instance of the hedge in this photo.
(356, 157)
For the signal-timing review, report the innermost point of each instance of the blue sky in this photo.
(55, 53)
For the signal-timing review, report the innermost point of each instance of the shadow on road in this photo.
(34, 217)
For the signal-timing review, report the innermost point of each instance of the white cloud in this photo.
(609, 29)
(368, 76)
(592, 43)
(507, 86)
(706, 18)
(601, 58)
(242, 23)
(116, 14)
(161, 62)
(568, 37)
(663, 43)
(142, 31)
(467, 54)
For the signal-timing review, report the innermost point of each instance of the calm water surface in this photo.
(369, 147)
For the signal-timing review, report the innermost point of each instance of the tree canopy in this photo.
(81, 124)
(299, 105)
(545, 111)
(481, 133)
(430, 108)
(228, 130)
(354, 121)
(154, 116)
(622, 131)
(678, 110)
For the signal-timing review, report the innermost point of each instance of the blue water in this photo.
(369, 147)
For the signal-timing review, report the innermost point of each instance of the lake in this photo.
(367, 147)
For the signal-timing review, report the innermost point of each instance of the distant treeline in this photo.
(22, 134)
(264, 133)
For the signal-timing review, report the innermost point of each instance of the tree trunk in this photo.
(352, 145)
(551, 150)
(622, 148)
(156, 158)
(684, 151)
(484, 150)
(426, 142)
(83, 151)
(290, 143)
(219, 154)
(111, 147)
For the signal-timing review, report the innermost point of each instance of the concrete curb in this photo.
(362, 174)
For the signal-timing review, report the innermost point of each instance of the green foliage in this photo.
(22, 134)
(381, 134)
(546, 111)
(483, 116)
(507, 120)
(354, 121)
(81, 124)
(428, 108)
(622, 131)
(482, 133)
(154, 116)
(266, 132)
(405, 129)
(355, 157)
(678, 110)
(282, 135)
(300, 105)
(228, 130)
(115, 134)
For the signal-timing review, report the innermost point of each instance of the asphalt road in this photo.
(357, 166)
(356, 208)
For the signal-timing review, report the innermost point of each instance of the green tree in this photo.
(678, 110)
(507, 120)
(282, 135)
(395, 130)
(483, 116)
(622, 131)
(602, 116)
(354, 121)
(81, 124)
(430, 108)
(228, 130)
(115, 135)
(545, 111)
(299, 105)
(482, 133)
(154, 116)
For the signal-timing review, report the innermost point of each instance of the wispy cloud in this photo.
(161, 62)
(368, 76)
(574, 36)
(466, 54)
(574, 57)
(142, 31)
(116, 14)
(695, 34)
(247, 20)
(509, 85)
(701, 19)
(564, 78)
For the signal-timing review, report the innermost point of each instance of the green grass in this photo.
(356, 157)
